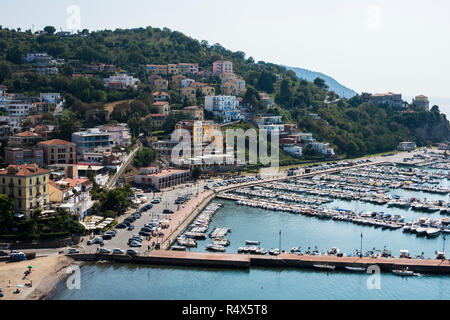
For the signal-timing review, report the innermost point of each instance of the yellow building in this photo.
(173, 69)
(27, 185)
(161, 84)
(188, 93)
(175, 82)
(233, 88)
(208, 91)
(195, 112)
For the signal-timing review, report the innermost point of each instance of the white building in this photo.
(323, 148)
(185, 83)
(94, 139)
(407, 146)
(294, 150)
(123, 79)
(52, 98)
(224, 106)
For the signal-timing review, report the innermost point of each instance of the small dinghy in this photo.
(404, 273)
(252, 242)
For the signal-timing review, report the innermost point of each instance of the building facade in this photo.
(27, 185)
(58, 151)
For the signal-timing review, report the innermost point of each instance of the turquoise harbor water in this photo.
(115, 281)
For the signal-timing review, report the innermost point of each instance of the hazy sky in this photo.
(375, 46)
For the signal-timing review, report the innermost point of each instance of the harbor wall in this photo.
(191, 259)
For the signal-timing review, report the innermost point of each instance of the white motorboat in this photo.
(433, 232)
(274, 252)
(216, 248)
(403, 273)
(356, 269)
(324, 266)
(421, 231)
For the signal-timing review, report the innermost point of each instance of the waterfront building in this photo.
(323, 148)
(222, 66)
(406, 146)
(27, 185)
(73, 195)
(190, 69)
(58, 151)
(160, 179)
(91, 140)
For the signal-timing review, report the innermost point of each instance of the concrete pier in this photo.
(285, 260)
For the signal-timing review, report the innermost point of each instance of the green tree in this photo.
(68, 124)
(50, 30)
(196, 172)
(145, 157)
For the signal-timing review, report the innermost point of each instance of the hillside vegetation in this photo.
(352, 127)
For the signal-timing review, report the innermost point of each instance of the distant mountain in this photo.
(331, 83)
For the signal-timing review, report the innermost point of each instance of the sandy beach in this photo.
(45, 275)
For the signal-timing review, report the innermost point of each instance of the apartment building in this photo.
(224, 106)
(27, 185)
(73, 195)
(389, 99)
(188, 93)
(160, 84)
(222, 66)
(161, 179)
(58, 151)
(24, 155)
(91, 140)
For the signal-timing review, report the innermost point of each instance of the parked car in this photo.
(104, 250)
(155, 201)
(135, 244)
(167, 211)
(118, 251)
(130, 227)
(145, 233)
(132, 252)
(98, 240)
(121, 226)
(107, 237)
(90, 242)
(74, 250)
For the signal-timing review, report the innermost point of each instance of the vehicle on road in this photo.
(156, 201)
(104, 250)
(74, 250)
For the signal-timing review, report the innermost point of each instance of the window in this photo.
(31, 191)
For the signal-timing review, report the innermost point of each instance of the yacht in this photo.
(216, 248)
(403, 272)
(433, 232)
(421, 231)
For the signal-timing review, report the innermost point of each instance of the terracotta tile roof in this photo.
(26, 134)
(23, 170)
(55, 142)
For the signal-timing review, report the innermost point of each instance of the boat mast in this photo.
(360, 252)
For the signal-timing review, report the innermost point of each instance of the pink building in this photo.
(222, 66)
